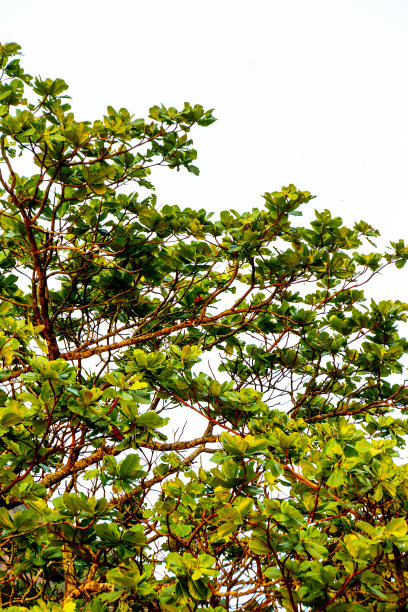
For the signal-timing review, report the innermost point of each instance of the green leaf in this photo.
(316, 550)
(198, 590)
(215, 388)
(226, 530)
(150, 419)
(111, 334)
(129, 468)
(6, 521)
(397, 527)
(336, 478)
(258, 547)
(245, 505)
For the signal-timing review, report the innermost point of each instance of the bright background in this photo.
(312, 92)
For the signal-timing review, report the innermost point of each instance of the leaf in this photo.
(230, 470)
(111, 597)
(98, 188)
(90, 474)
(109, 534)
(74, 503)
(336, 478)
(293, 513)
(12, 414)
(134, 536)
(42, 345)
(141, 357)
(198, 590)
(225, 530)
(150, 419)
(181, 530)
(258, 547)
(234, 445)
(397, 527)
(316, 550)
(129, 468)
(367, 528)
(5, 519)
(309, 501)
(215, 388)
(245, 505)
(4, 307)
(154, 360)
(137, 384)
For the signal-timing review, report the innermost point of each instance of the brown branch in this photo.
(81, 464)
(165, 331)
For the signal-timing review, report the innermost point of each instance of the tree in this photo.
(284, 489)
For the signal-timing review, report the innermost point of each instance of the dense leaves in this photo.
(196, 413)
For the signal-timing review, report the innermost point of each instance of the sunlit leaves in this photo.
(197, 411)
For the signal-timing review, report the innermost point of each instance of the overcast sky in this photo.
(312, 92)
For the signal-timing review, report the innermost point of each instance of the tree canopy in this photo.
(197, 412)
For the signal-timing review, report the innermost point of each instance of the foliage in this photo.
(133, 475)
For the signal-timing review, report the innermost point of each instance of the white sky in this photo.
(310, 92)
